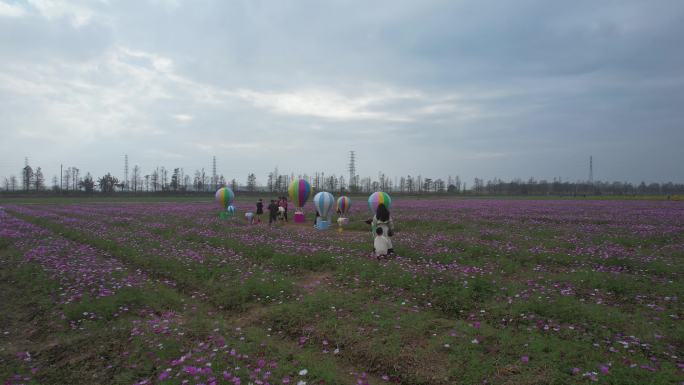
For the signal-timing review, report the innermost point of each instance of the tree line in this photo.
(161, 180)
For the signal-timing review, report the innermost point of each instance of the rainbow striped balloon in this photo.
(299, 191)
(379, 197)
(324, 202)
(343, 204)
(225, 197)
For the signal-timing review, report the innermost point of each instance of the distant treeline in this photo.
(162, 181)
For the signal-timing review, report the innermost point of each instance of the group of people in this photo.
(277, 210)
(381, 224)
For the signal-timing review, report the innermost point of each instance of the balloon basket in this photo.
(342, 221)
(322, 224)
(299, 217)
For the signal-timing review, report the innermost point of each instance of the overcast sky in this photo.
(505, 89)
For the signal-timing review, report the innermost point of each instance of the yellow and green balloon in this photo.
(225, 197)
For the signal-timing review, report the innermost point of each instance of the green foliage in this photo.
(157, 298)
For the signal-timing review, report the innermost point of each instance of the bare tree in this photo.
(88, 184)
(164, 178)
(75, 179)
(251, 182)
(39, 180)
(154, 179)
(27, 177)
(135, 178)
(67, 178)
(186, 181)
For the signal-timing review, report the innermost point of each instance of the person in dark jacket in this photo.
(259, 210)
(273, 212)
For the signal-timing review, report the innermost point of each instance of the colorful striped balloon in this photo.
(324, 202)
(299, 191)
(343, 204)
(225, 197)
(379, 197)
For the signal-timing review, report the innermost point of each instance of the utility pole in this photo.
(591, 170)
(61, 174)
(125, 172)
(214, 182)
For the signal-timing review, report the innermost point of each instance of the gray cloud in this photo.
(489, 89)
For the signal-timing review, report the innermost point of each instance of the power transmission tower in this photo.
(352, 171)
(125, 181)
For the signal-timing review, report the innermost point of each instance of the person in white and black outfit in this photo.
(382, 244)
(383, 220)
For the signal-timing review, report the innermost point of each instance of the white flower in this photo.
(475, 341)
(303, 372)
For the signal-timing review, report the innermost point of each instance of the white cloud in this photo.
(11, 10)
(183, 118)
(77, 14)
(329, 104)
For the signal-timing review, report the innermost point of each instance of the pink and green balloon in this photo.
(299, 191)
(377, 198)
(343, 204)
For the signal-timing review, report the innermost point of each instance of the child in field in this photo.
(381, 243)
(250, 217)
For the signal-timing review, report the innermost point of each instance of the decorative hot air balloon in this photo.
(230, 210)
(379, 197)
(324, 202)
(299, 191)
(343, 204)
(225, 197)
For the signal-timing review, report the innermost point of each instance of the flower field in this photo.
(479, 291)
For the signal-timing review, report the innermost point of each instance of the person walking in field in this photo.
(383, 220)
(259, 210)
